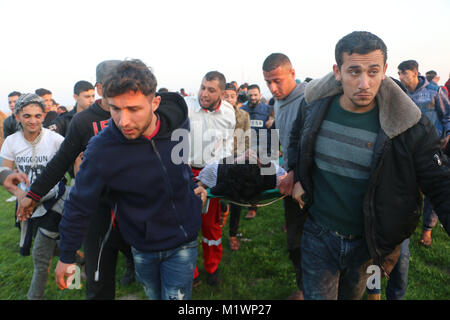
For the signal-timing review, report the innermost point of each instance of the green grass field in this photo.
(260, 270)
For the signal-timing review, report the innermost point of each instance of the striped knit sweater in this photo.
(343, 156)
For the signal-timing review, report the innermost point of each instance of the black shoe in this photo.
(214, 279)
(128, 277)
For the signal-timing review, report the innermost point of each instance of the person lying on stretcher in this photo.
(242, 179)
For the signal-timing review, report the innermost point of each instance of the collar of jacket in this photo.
(298, 91)
(398, 112)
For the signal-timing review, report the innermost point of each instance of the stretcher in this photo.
(267, 198)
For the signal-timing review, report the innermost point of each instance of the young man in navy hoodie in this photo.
(83, 126)
(154, 197)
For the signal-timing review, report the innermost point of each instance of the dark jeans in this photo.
(295, 219)
(333, 267)
(105, 287)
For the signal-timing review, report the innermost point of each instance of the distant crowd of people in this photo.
(357, 156)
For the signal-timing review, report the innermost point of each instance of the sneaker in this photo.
(235, 245)
(128, 277)
(213, 279)
(224, 212)
(250, 214)
(12, 199)
(425, 239)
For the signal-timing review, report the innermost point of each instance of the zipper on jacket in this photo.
(169, 186)
(378, 257)
(97, 272)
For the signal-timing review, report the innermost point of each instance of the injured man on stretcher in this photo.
(243, 178)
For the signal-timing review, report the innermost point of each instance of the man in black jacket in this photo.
(82, 128)
(361, 149)
(49, 114)
(84, 95)
(10, 124)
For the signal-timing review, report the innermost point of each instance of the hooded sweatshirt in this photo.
(152, 197)
(285, 113)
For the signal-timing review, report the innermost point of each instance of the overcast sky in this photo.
(54, 44)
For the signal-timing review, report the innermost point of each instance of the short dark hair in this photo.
(82, 86)
(254, 86)
(42, 92)
(130, 75)
(274, 61)
(14, 93)
(430, 75)
(63, 108)
(243, 86)
(163, 90)
(230, 86)
(408, 65)
(216, 75)
(361, 42)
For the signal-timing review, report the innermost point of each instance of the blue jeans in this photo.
(398, 279)
(333, 267)
(167, 275)
(429, 216)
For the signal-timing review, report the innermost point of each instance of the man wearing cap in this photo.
(29, 150)
(83, 127)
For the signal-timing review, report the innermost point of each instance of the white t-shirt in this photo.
(19, 150)
(211, 135)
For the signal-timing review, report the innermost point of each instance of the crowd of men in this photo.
(360, 151)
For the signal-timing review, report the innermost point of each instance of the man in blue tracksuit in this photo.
(151, 191)
(260, 122)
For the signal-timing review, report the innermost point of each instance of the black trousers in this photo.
(235, 216)
(104, 288)
(295, 219)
